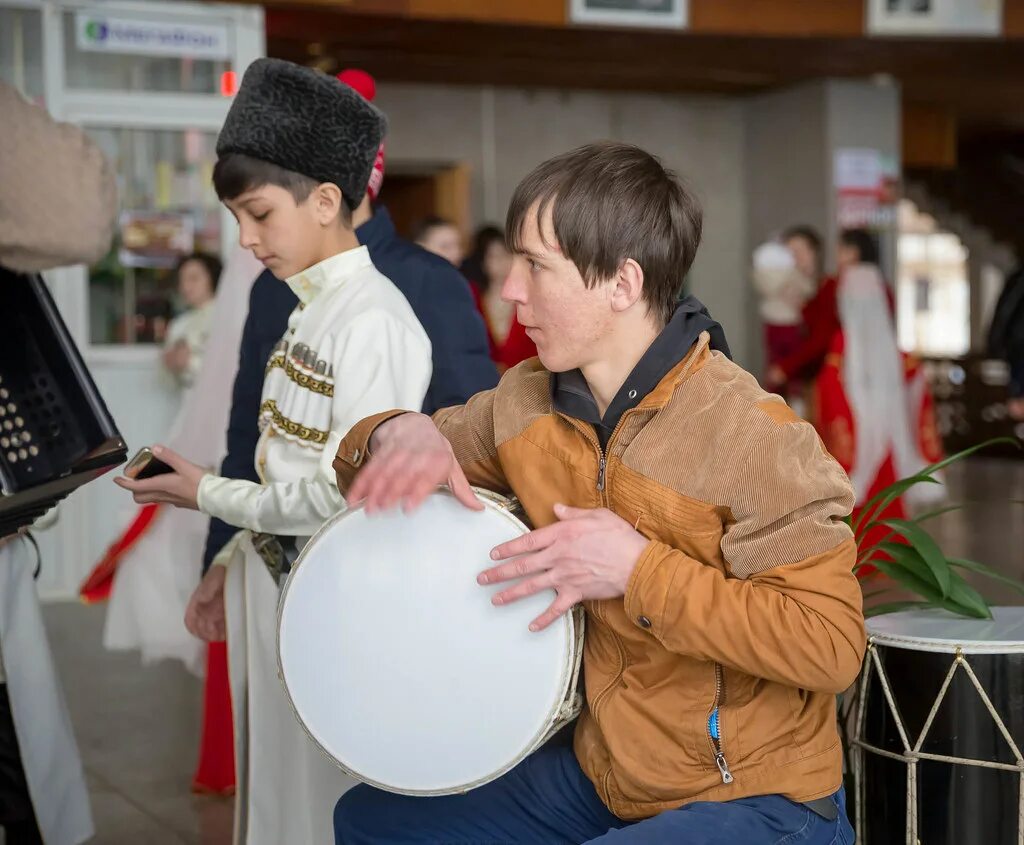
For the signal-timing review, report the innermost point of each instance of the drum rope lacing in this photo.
(913, 754)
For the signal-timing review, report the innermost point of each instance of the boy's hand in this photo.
(409, 459)
(179, 488)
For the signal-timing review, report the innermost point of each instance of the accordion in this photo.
(56, 433)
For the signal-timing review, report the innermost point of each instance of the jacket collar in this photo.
(328, 274)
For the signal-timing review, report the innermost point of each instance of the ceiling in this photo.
(980, 81)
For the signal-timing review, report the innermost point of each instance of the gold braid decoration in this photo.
(302, 379)
(280, 421)
(307, 381)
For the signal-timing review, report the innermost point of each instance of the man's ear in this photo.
(327, 202)
(629, 285)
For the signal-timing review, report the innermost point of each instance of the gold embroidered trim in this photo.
(314, 385)
(281, 422)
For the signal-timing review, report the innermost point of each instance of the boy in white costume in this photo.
(295, 156)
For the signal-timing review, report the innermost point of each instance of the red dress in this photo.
(516, 347)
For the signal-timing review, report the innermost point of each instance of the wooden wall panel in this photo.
(778, 17)
(929, 136)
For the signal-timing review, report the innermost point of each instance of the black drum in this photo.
(940, 728)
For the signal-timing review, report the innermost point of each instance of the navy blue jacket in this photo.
(439, 296)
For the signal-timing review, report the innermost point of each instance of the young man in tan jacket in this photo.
(695, 516)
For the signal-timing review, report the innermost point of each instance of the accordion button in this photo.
(19, 422)
(5, 442)
(643, 622)
(15, 440)
(8, 425)
(3, 393)
(33, 450)
(12, 457)
(26, 437)
(23, 454)
(12, 407)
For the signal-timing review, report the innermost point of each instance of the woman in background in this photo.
(198, 275)
(486, 268)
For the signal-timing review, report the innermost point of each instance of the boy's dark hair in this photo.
(862, 241)
(609, 202)
(211, 263)
(236, 173)
(422, 229)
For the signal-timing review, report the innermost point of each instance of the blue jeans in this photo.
(547, 800)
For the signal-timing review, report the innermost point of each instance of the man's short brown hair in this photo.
(610, 202)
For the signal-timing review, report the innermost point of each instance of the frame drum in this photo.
(398, 666)
(940, 728)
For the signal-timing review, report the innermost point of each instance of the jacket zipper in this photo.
(602, 468)
(715, 727)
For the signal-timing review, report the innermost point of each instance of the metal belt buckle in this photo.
(269, 548)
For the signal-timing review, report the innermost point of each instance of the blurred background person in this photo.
(784, 289)
(819, 320)
(1006, 338)
(441, 237)
(486, 268)
(58, 201)
(874, 411)
(198, 275)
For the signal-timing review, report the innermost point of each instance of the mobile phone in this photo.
(145, 465)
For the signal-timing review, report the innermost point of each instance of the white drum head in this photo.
(937, 630)
(396, 661)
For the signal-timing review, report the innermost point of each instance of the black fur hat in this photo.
(305, 121)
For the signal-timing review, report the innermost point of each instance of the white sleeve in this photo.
(380, 363)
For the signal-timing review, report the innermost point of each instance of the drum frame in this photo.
(571, 700)
(912, 752)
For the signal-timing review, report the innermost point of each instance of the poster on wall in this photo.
(867, 188)
(935, 17)
(661, 14)
(155, 238)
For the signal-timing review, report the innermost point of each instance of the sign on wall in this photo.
(667, 14)
(867, 188)
(102, 33)
(935, 17)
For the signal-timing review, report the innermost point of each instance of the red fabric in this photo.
(781, 341)
(215, 772)
(821, 322)
(517, 346)
(100, 581)
(833, 418)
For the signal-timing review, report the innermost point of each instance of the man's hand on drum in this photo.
(409, 460)
(587, 554)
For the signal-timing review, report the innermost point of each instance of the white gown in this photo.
(157, 575)
(360, 351)
(49, 753)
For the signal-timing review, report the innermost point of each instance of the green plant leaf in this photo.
(885, 497)
(893, 606)
(926, 546)
(909, 558)
(988, 571)
(926, 589)
(964, 594)
(924, 517)
(966, 453)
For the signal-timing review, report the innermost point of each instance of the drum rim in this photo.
(572, 645)
(939, 645)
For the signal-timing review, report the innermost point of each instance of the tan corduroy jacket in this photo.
(743, 609)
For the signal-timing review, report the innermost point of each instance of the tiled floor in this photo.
(138, 727)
